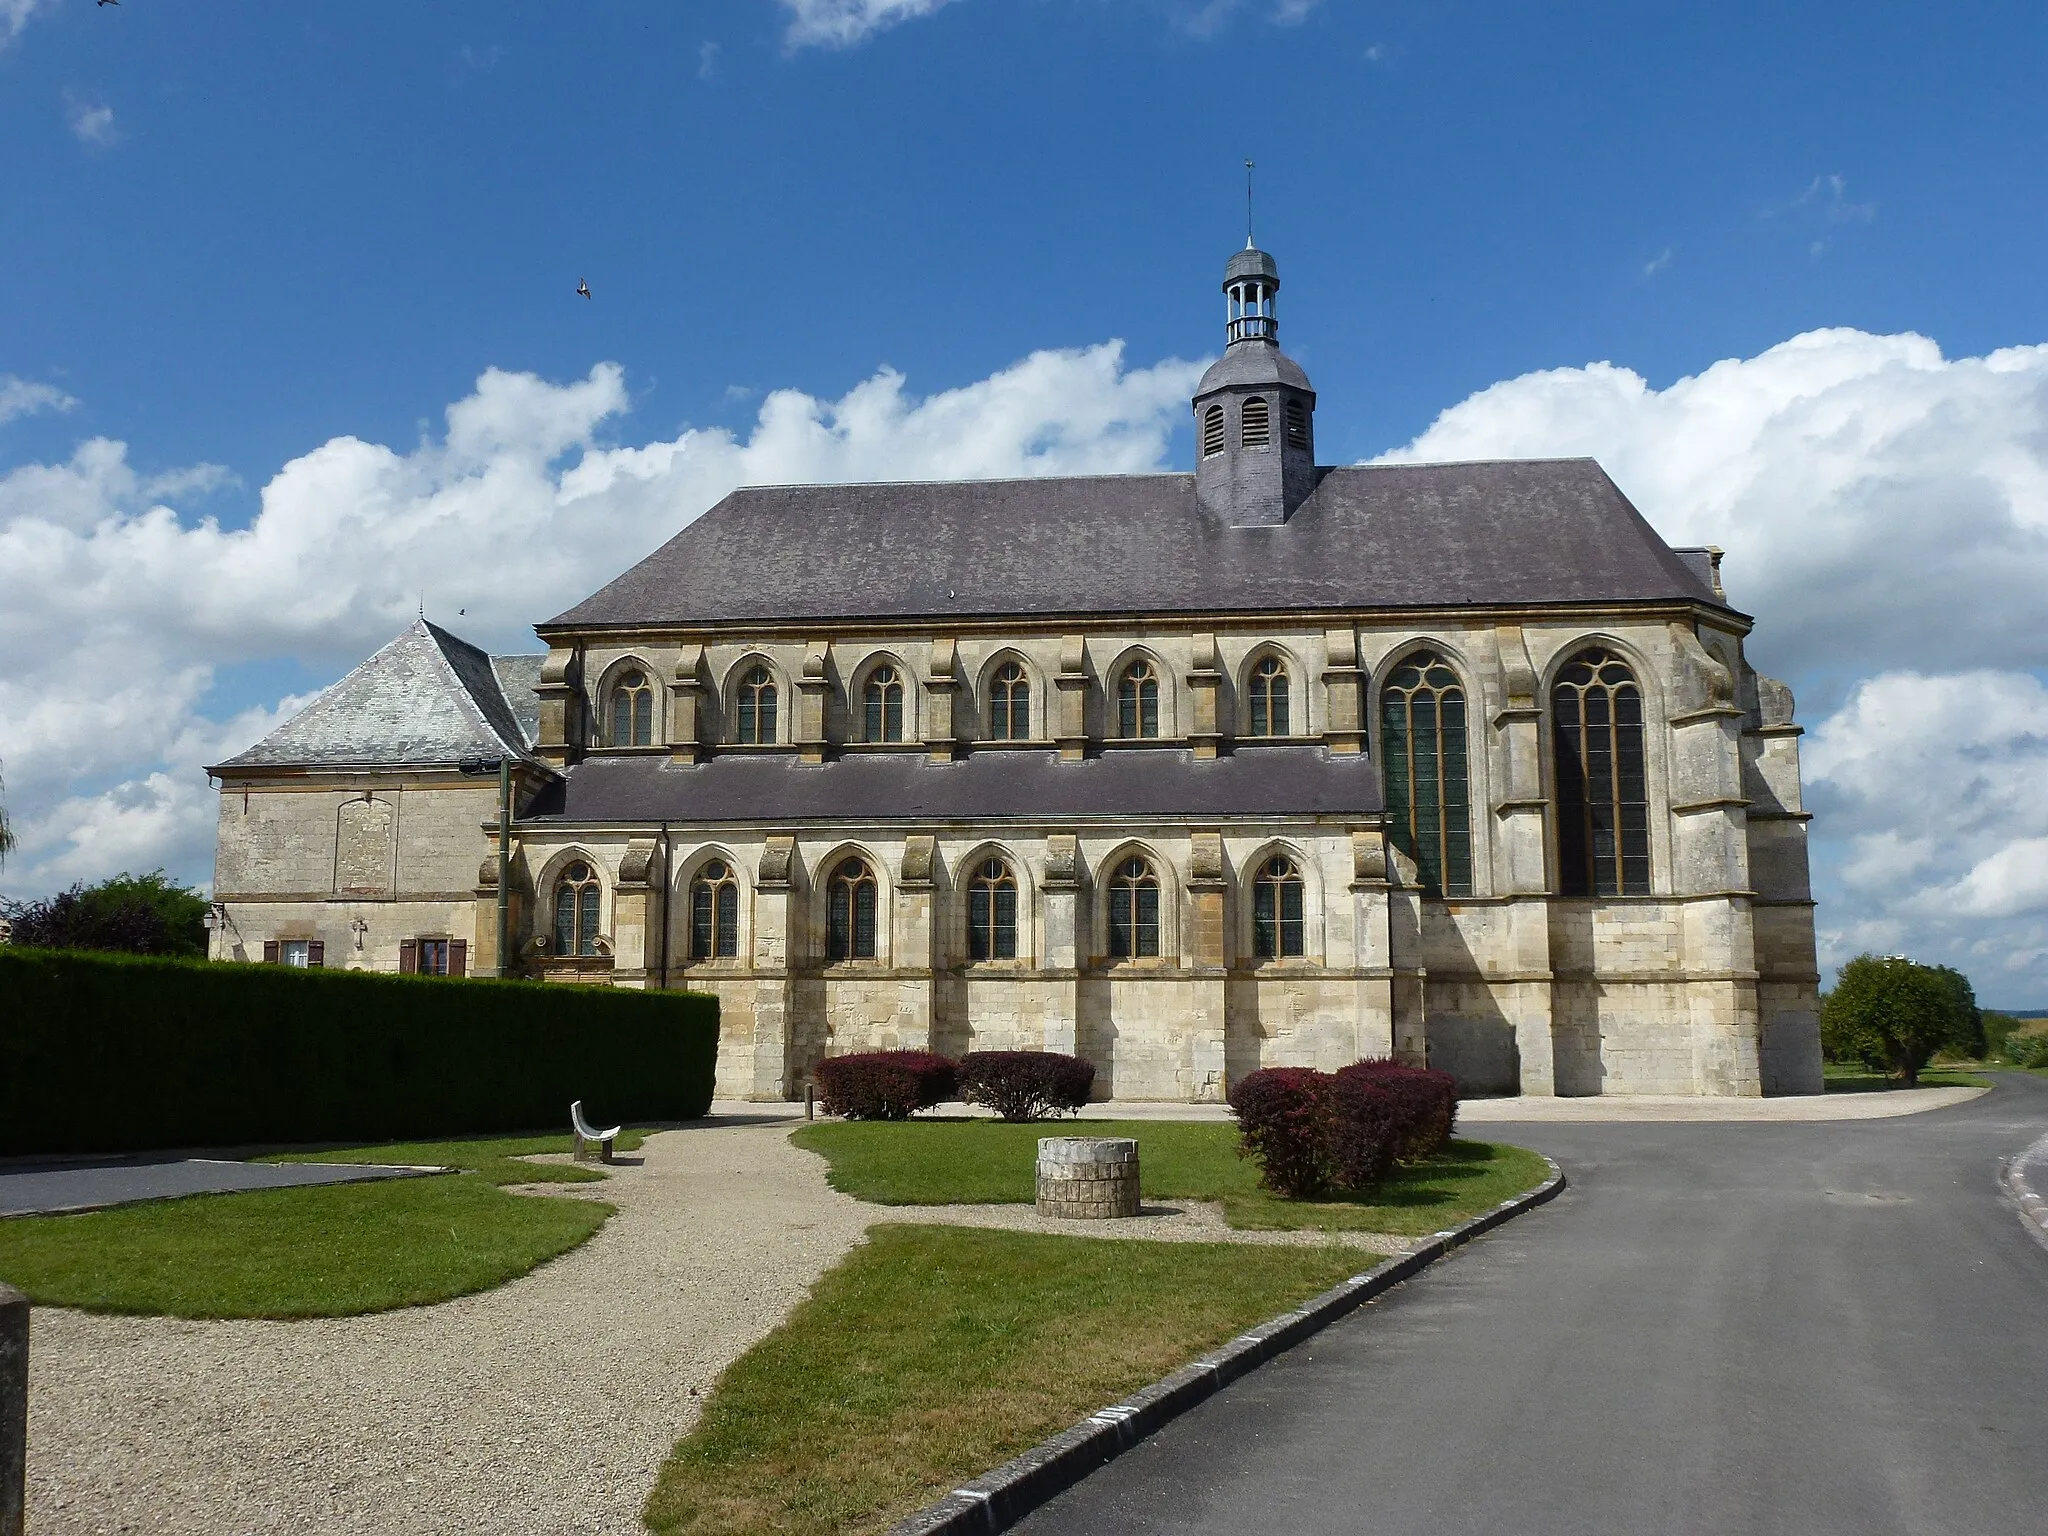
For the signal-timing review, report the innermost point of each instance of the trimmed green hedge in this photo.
(121, 1053)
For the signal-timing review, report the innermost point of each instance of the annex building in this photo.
(1266, 762)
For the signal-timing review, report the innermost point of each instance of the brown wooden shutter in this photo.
(409, 956)
(316, 952)
(458, 957)
(270, 951)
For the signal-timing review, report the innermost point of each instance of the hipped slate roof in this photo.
(1380, 536)
(1027, 785)
(427, 699)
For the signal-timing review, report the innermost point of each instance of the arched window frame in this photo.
(1127, 704)
(575, 931)
(720, 898)
(990, 694)
(1213, 430)
(744, 723)
(902, 719)
(1262, 720)
(853, 935)
(1452, 870)
(1279, 906)
(993, 910)
(1108, 878)
(1636, 852)
(642, 723)
(1115, 701)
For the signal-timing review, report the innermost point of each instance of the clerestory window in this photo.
(632, 711)
(1268, 713)
(882, 705)
(1009, 704)
(576, 906)
(1137, 702)
(757, 708)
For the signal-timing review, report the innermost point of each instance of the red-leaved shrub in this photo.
(1283, 1117)
(1427, 1102)
(884, 1085)
(1363, 1133)
(1025, 1085)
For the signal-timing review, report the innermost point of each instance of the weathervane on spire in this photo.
(1249, 167)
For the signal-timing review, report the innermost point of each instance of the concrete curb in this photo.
(997, 1500)
(2012, 1179)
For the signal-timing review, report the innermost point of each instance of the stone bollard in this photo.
(1087, 1176)
(13, 1409)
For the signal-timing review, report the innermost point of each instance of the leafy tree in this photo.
(139, 914)
(1894, 1014)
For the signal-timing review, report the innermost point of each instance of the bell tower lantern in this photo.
(1254, 410)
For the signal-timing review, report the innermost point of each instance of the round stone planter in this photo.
(1087, 1177)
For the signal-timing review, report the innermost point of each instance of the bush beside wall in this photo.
(884, 1085)
(1026, 1085)
(108, 1053)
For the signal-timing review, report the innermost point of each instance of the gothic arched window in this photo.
(632, 712)
(714, 913)
(1603, 805)
(576, 905)
(757, 708)
(1137, 702)
(850, 920)
(1212, 431)
(1255, 425)
(992, 912)
(1277, 909)
(1009, 704)
(1133, 911)
(1422, 752)
(1269, 698)
(882, 702)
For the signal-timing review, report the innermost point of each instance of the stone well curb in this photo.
(2013, 1180)
(997, 1500)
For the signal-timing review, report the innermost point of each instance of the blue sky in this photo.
(233, 237)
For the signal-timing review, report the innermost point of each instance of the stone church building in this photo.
(1188, 774)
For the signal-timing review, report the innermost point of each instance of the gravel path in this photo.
(543, 1408)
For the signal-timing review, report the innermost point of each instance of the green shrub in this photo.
(118, 1053)
(2027, 1050)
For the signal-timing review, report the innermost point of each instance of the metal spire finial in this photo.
(1249, 243)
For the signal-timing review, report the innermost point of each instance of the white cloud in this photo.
(1885, 513)
(1657, 263)
(90, 122)
(117, 612)
(14, 15)
(19, 397)
(844, 23)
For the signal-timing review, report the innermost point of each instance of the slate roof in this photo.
(1023, 785)
(1509, 533)
(427, 699)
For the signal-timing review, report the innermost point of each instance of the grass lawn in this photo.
(333, 1250)
(496, 1158)
(934, 1353)
(979, 1162)
(1851, 1077)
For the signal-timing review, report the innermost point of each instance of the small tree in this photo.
(136, 914)
(1893, 1014)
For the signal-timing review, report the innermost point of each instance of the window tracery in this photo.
(1424, 768)
(1269, 698)
(577, 894)
(1009, 704)
(632, 710)
(757, 707)
(992, 912)
(882, 705)
(1603, 805)
(850, 919)
(1278, 900)
(715, 913)
(1137, 702)
(1134, 911)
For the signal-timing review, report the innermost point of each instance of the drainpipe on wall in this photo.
(504, 867)
(667, 892)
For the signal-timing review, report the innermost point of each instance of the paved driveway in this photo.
(1806, 1329)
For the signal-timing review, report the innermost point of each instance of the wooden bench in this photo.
(586, 1137)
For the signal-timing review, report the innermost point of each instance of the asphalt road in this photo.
(1805, 1329)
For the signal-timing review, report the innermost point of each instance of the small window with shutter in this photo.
(1212, 431)
(1255, 429)
(1297, 424)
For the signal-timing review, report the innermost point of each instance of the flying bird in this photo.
(582, 287)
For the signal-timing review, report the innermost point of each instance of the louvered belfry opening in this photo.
(1256, 426)
(1212, 431)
